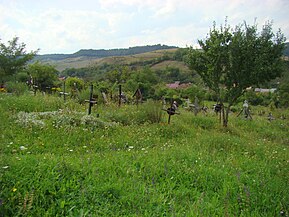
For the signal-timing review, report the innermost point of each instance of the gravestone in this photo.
(245, 110)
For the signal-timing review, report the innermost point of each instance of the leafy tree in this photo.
(13, 57)
(75, 83)
(232, 60)
(43, 75)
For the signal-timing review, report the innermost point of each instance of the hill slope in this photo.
(103, 53)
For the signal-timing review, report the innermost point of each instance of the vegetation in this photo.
(44, 76)
(232, 60)
(13, 57)
(57, 161)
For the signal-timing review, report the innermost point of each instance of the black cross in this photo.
(92, 100)
(171, 111)
(63, 93)
(138, 96)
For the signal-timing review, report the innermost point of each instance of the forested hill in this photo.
(104, 53)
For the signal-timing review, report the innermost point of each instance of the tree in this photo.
(13, 57)
(43, 75)
(231, 60)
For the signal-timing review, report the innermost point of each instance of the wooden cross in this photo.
(92, 100)
(138, 96)
(63, 93)
(171, 110)
(119, 95)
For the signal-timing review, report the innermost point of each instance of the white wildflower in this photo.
(22, 148)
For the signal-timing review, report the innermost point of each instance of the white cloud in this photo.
(67, 26)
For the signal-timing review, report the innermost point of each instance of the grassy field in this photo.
(57, 161)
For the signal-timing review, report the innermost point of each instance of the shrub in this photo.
(16, 88)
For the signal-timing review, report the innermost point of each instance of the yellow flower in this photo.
(14, 189)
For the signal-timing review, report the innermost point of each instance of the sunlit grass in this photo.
(130, 162)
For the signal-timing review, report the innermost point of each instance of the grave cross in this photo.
(92, 99)
(63, 93)
(172, 110)
(138, 96)
(119, 95)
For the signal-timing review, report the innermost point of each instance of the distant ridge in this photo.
(104, 53)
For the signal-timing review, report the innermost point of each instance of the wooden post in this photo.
(171, 110)
(90, 99)
(119, 96)
(64, 97)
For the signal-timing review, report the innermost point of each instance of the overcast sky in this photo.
(66, 26)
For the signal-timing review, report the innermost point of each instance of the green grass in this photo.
(57, 161)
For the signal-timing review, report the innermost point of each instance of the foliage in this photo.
(43, 75)
(232, 60)
(74, 82)
(16, 88)
(14, 57)
(283, 93)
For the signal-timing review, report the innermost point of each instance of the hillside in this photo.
(91, 53)
(94, 61)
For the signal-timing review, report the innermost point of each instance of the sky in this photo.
(66, 26)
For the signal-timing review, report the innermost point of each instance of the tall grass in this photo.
(130, 162)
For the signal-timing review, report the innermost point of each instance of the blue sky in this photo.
(66, 26)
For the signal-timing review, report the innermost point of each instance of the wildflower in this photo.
(22, 148)
(130, 147)
(71, 150)
(5, 167)
(14, 189)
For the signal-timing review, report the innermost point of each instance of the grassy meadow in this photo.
(55, 160)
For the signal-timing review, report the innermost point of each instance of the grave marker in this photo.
(63, 93)
(246, 110)
(138, 96)
(92, 100)
(119, 95)
(172, 110)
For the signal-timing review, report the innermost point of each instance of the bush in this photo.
(16, 88)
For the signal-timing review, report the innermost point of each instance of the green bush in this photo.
(16, 88)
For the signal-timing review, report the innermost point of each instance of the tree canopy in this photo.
(14, 57)
(233, 59)
(43, 75)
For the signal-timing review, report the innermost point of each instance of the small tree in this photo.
(43, 75)
(232, 60)
(13, 57)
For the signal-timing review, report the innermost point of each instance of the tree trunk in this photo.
(226, 116)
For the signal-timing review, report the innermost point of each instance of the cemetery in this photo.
(128, 145)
